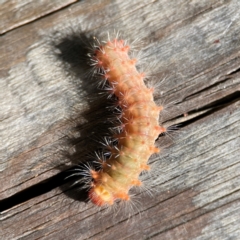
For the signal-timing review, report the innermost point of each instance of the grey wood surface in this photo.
(15, 13)
(190, 51)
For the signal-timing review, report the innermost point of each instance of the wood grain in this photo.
(195, 46)
(15, 13)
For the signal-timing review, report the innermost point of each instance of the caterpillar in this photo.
(133, 143)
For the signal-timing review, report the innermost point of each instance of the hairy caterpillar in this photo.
(131, 146)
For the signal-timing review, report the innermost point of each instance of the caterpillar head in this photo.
(100, 196)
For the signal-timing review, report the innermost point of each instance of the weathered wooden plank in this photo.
(197, 49)
(47, 105)
(17, 13)
(196, 196)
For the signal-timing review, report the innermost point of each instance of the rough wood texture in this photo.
(195, 185)
(15, 13)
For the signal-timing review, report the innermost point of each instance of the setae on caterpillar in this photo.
(133, 143)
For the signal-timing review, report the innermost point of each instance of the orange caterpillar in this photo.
(139, 125)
